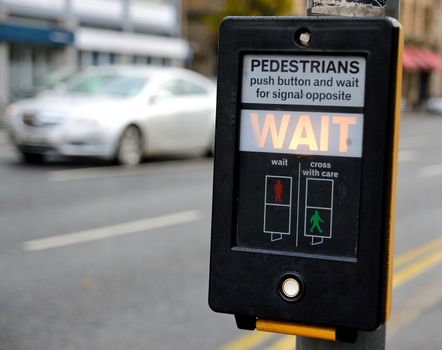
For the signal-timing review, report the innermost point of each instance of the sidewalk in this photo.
(419, 114)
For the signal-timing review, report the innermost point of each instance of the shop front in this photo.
(29, 54)
(420, 66)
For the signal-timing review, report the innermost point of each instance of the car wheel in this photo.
(33, 158)
(130, 149)
(210, 150)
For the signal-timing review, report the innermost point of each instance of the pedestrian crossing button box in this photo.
(304, 171)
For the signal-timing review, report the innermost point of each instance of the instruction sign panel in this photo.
(304, 80)
(300, 169)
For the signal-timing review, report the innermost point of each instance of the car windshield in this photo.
(107, 84)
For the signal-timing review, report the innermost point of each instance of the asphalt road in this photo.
(99, 257)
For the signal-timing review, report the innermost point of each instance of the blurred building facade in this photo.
(40, 36)
(421, 19)
(299, 8)
(199, 33)
(422, 22)
(202, 37)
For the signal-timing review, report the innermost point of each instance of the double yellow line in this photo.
(254, 339)
(416, 262)
(406, 267)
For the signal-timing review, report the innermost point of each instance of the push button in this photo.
(291, 287)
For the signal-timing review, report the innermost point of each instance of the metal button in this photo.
(291, 288)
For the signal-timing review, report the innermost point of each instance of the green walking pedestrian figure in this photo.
(315, 220)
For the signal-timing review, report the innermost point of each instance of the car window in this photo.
(170, 88)
(124, 86)
(108, 84)
(190, 88)
(181, 87)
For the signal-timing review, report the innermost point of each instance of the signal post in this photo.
(364, 340)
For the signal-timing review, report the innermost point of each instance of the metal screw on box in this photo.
(351, 8)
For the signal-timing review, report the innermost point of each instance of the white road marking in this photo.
(114, 171)
(112, 231)
(407, 156)
(430, 171)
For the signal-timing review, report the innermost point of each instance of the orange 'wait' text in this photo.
(303, 134)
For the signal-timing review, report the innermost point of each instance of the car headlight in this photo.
(10, 110)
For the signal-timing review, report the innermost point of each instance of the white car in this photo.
(121, 113)
(434, 105)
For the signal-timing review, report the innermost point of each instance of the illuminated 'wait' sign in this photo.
(318, 133)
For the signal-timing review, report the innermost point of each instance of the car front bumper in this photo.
(65, 142)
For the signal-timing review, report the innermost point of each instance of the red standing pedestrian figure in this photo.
(278, 191)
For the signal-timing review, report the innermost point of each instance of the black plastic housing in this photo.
(337, 293)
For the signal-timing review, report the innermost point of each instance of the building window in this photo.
(95, 58)
(428, 22)
(112, 58)
(156, 61)
(165, 61)
(86, 59)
